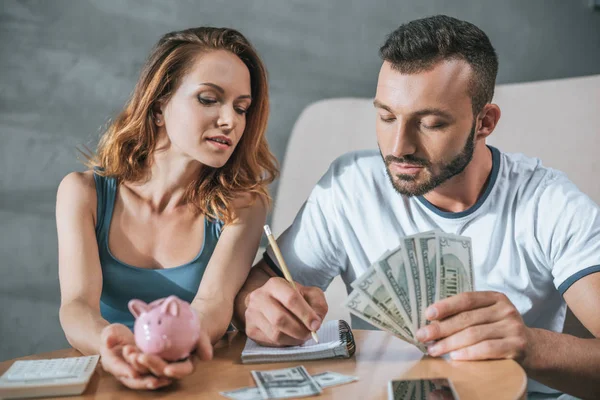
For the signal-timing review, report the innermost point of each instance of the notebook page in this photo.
(329, 337)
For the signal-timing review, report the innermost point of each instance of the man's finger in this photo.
(263, 333)
(468, 337)
(488, 350)
(316, 299)
(283, 321)
(459, 303)
(295, 302)
(437, 330)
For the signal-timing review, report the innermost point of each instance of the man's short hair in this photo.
(418, 45)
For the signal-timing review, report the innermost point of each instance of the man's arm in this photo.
(486, 325)
(272, 313)
(566, 362)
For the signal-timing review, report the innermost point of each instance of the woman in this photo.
(173, 204)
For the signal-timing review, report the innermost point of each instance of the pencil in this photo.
(284, 268)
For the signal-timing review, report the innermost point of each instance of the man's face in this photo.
(425, 125)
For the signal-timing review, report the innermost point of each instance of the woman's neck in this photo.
(170, 175)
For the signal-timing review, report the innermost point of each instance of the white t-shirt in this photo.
(533, 232)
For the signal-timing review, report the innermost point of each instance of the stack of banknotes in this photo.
(288, 383)
(395, 291)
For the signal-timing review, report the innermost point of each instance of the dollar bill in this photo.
(328, 379)
(376, 293)
(246, 393)
(286, 383)
(358, 305)
(410, 252)
(426, 245)
(456, 265)
(398, 281)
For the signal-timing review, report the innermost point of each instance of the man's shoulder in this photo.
(355, 164)
(530, 177)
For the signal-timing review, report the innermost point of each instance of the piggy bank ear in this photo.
(170, 306)
(137, 307)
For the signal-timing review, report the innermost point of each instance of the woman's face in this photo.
(206, 116)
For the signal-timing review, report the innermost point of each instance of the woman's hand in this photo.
(164, 372)
(119, 357)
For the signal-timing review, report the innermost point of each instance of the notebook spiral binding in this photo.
(346, 337)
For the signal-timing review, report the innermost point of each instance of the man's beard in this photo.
(447, 171)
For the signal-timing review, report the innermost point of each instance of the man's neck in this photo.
(462, 191)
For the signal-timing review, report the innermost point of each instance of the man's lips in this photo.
(408, 169)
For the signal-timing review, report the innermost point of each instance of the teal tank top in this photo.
(122, 282)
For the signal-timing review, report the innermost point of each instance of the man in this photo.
(535, 236)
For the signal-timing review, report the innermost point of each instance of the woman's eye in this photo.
(204, 100)
(241, 111)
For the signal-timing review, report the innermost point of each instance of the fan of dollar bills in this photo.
(394, 292)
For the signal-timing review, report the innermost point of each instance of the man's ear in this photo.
(487, 120)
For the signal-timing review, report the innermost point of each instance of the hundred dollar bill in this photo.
(246, 393)
(413, 265)
(328, 379)
(397, 279)
(456, 265)
(286, 383)
(375, 292)
(426, 245)
(358, 305)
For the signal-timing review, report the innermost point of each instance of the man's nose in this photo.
(405, 139)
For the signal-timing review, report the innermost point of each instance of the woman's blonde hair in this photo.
(125, 149)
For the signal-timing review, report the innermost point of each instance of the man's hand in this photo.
(475, 326)
(277, 315)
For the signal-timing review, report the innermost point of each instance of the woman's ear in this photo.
(157, 113)
(488, 117)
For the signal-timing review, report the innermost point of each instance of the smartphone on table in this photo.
(421, 389)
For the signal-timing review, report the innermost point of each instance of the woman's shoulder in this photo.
(77, 188)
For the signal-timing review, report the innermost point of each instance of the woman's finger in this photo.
(155, 364)
(178, 370)
(113, 363)
(147, 382)
(130, 354)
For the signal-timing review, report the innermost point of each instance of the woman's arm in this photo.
(79, 268)
(80, 276)
(228, 267)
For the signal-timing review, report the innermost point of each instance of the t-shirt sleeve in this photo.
(568, 223)
(310, 246)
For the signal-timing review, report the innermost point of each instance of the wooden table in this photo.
(379, 358)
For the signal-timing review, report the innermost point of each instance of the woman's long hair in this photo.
(125, 149)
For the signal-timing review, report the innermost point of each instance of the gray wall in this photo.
(67, 66)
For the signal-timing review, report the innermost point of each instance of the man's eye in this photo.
(434, 126)
(387, 119)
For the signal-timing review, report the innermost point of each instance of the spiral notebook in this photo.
(335, 341)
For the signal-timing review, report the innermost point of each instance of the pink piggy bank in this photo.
(168, 328)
